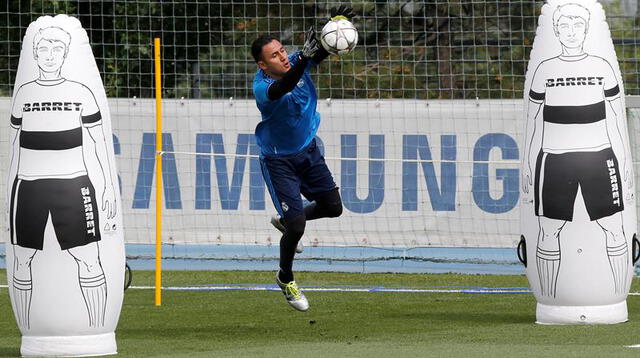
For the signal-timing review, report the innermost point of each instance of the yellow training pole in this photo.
(156, 45)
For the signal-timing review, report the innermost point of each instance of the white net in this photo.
(421, 123)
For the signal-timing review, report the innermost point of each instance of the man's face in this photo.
(571, 31)
(275, 61)
(50, 55)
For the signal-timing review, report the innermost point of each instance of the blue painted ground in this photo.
(341, 259)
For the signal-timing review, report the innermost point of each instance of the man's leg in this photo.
(92, 281)
(325, 205)
(284, 188)
(22, 283)
(294, 229)
(27, 220)
(617, 250)
(548, 254)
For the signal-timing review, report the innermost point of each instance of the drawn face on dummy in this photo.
(570, 25)
(50, 48)
(50, 55)
(571, 31)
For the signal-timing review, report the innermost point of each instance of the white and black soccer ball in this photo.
(339, 37)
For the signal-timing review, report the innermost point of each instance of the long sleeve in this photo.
(287, 83)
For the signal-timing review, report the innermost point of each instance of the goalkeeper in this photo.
(291, 161)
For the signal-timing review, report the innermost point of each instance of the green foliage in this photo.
(407, 49)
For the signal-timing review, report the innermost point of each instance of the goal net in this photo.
(421, 124)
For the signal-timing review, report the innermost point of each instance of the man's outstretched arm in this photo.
(289, 81)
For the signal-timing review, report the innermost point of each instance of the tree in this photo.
(408, 49)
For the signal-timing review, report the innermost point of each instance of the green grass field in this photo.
(345, 324)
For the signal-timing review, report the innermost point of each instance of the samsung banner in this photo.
(411, 173)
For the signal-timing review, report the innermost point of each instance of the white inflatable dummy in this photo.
(65, 256)
(578, 213)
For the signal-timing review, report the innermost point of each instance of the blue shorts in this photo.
(289, 176)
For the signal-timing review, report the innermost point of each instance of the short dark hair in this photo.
(258, 44)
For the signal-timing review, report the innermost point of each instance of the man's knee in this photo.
(334, 208)
(331, 204)
(86, 256)
(295, 226)
(89, 264)
(23, 257)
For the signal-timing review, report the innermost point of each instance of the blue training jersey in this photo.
(290, 122)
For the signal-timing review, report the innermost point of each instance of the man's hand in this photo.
(342, 13)
(109, 201)
(311, 44)
(628, 178)
(526, 183)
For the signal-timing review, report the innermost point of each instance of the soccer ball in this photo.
(339, 37)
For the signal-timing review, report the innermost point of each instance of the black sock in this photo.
(285, 277)
(294, 230)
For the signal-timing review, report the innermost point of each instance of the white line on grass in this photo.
(476, 290)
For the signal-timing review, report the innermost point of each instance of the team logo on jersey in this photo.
(300, 83)
(285, 207)
(88, 210)
(51, 106)
(574, 81)
(615, 192)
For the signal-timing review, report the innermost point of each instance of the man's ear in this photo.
(262, 65)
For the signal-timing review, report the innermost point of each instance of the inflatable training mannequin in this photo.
(578, 216)
(65, 256)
